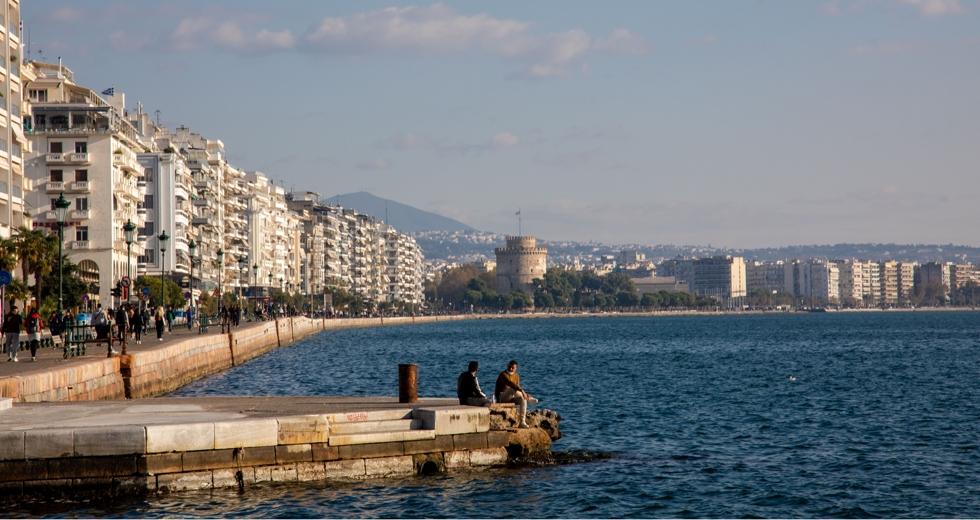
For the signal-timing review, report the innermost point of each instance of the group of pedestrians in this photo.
(508, 389)
(13, 325)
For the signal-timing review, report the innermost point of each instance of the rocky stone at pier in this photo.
(533, 442)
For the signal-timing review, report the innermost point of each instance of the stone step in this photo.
(370, 416)
(374, 426)
(372, 438)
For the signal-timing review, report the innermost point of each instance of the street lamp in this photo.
(221, 267)
(163, 238)
(61, 211)
(242, 263)
(192, 246)
(129, 231)
(255, 274)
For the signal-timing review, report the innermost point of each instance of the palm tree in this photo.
(38, 252)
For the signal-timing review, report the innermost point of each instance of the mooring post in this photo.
(408, 383)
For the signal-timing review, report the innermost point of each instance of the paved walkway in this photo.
(52, 357)
(181, 410)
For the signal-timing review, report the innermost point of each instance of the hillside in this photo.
(402, 217)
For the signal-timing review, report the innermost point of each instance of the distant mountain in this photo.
(402, 217)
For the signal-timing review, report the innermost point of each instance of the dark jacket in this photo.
(12, 322)
(467, 386)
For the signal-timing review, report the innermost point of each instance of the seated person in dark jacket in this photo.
(468, 387)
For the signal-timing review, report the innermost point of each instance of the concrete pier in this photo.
(154, 368)
(172, 444)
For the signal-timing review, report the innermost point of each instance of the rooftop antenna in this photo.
(157, 114)
(520, 224)
(386, 213)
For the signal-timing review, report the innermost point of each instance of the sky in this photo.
(739, 124)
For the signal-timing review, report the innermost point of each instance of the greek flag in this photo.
(109, 91)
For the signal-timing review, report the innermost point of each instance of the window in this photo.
(81, 233)
(148, 201)
(81, 147)
(54, 204)
(81, 175)
(57, 176)
(148, 229)
(81, 203)
(38, 95)
(55, 146)
(148, 175)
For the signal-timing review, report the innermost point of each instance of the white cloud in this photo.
(505, 140)
(196, 32)
(936, 7)
(421, 30)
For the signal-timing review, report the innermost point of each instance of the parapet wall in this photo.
(164, 369)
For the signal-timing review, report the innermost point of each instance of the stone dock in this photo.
(152, 370)
(173, 444)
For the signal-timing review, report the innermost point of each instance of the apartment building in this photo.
(84, 147)
(765, 276)
(906, 282)
(15, 118)
(404, 269)
(889, 283)
(721, 278)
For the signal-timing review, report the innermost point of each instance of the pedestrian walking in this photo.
(160, 322)
(12, 323)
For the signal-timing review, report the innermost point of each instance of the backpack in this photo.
(32, 323)
(99, 319)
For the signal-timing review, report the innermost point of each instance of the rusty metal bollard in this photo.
(408, 383)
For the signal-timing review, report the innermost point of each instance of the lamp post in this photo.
(221, 267)
(192, 246)
(129, 231)
(242, 263)
(61, 211)
(163, 238)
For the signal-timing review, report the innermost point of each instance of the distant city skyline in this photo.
(737, 124)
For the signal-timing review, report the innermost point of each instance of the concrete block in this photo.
(497, 439)
(309, 471)
(438, 444)
(341, 469)
(179, 437)
(373, 415)
(133, 485)
(322, 451)
(285, 473)
(450, 421)
(12, 445)
(20, 470)
(246, 433)
(6, 403)
(161, 463)
(457, 459)
(184, 481)
(470, 441)
(303, 429)
(210, 459)
(263, 474)
(363, 451)
(258, 456)
(389, 466)
(92, 467)
(488, 457)
(371, 427)
(372, 438)
(221, 478)
(294, 453)
(115, 440)
(45, 444)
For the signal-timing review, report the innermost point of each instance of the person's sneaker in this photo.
(523, 425)
(33, 358)
(533, 400)
(15, 359)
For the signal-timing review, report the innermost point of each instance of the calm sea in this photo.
(804, 415)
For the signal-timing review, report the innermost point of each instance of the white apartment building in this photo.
(721, 278)
(85, 148)
(15, 117)
(404, 269)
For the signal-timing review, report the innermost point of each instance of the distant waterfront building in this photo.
(936, 274)
(721, 278)
(906, 282)
(962, 274)
(519, 263)
(815, 282)
(765, 276)
(655, 284)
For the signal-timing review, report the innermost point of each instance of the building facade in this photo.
(721, 278)
(519, 262)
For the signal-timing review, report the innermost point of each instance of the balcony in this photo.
(80, 187)
(201, 202)
(67, 158)
(78, 214)
(54, 186)
(79, 244)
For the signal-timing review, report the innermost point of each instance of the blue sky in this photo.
(738, 123)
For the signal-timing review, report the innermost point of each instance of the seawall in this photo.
(160, 370)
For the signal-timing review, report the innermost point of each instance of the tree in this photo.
(38, 252)
(175, 296)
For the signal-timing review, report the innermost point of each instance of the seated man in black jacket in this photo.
(468, 387)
